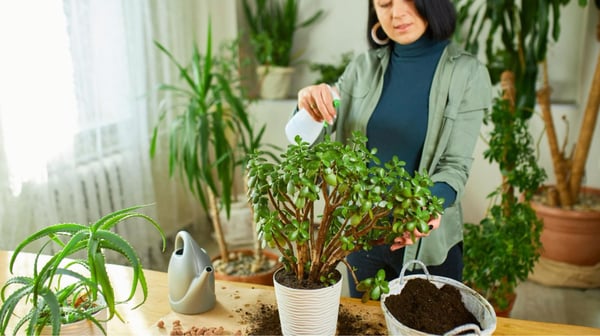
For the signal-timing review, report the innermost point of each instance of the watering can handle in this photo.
(405, 267)
(465, 327)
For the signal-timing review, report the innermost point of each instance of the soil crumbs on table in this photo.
(422, 306)
(265, 321)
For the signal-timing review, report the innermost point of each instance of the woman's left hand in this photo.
(406, 238)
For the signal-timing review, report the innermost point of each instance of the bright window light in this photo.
(37, 102)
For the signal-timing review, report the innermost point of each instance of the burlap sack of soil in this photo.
(554, 273)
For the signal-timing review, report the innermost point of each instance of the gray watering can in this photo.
(191, 277)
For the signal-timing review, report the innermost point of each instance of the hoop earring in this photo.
(376, 38)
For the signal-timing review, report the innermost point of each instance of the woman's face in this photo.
(400, 20)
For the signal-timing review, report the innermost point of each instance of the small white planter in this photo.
(84, 327)
(308, 311)
(274, 81)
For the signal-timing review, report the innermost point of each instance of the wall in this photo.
(340, 29)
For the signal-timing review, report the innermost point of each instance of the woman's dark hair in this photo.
(440, 15)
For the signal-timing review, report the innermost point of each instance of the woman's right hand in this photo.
(317, 100)
(407, 237)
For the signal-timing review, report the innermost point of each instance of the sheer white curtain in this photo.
(77, 104)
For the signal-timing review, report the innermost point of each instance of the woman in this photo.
(419, 97)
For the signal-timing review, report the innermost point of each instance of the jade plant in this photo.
(73, 284)
(363, 201)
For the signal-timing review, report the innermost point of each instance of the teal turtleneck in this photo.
(398, 125)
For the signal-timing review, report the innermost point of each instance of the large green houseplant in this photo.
(503, 248)
(569, 168)
(73, 284)
(363, 203)
(570, 209)
(210, 131)
(272, 25)
(525, 29)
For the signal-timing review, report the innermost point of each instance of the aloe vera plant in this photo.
(73, 284)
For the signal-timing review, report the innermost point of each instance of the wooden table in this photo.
(234, 300)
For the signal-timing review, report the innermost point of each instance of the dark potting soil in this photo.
(289, 279)
(422, 306)
(265, 321)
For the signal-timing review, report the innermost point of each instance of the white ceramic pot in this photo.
(274, 81)
(84, 327)
(308, 311)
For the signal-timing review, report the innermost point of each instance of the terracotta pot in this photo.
(570, 236)
(263, 278)
(506, 311)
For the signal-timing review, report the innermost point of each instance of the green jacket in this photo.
(460, 93)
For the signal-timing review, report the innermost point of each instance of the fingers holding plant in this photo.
(419, 230)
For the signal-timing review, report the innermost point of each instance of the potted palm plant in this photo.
(210, 137)
(72, 285)
(272, 26)
(504, 247)
(363, 203)
(570, 210)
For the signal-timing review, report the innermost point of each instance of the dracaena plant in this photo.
(210, 129)
(73, 284)
(363, 203)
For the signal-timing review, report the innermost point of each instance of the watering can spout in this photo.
(191, 277)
